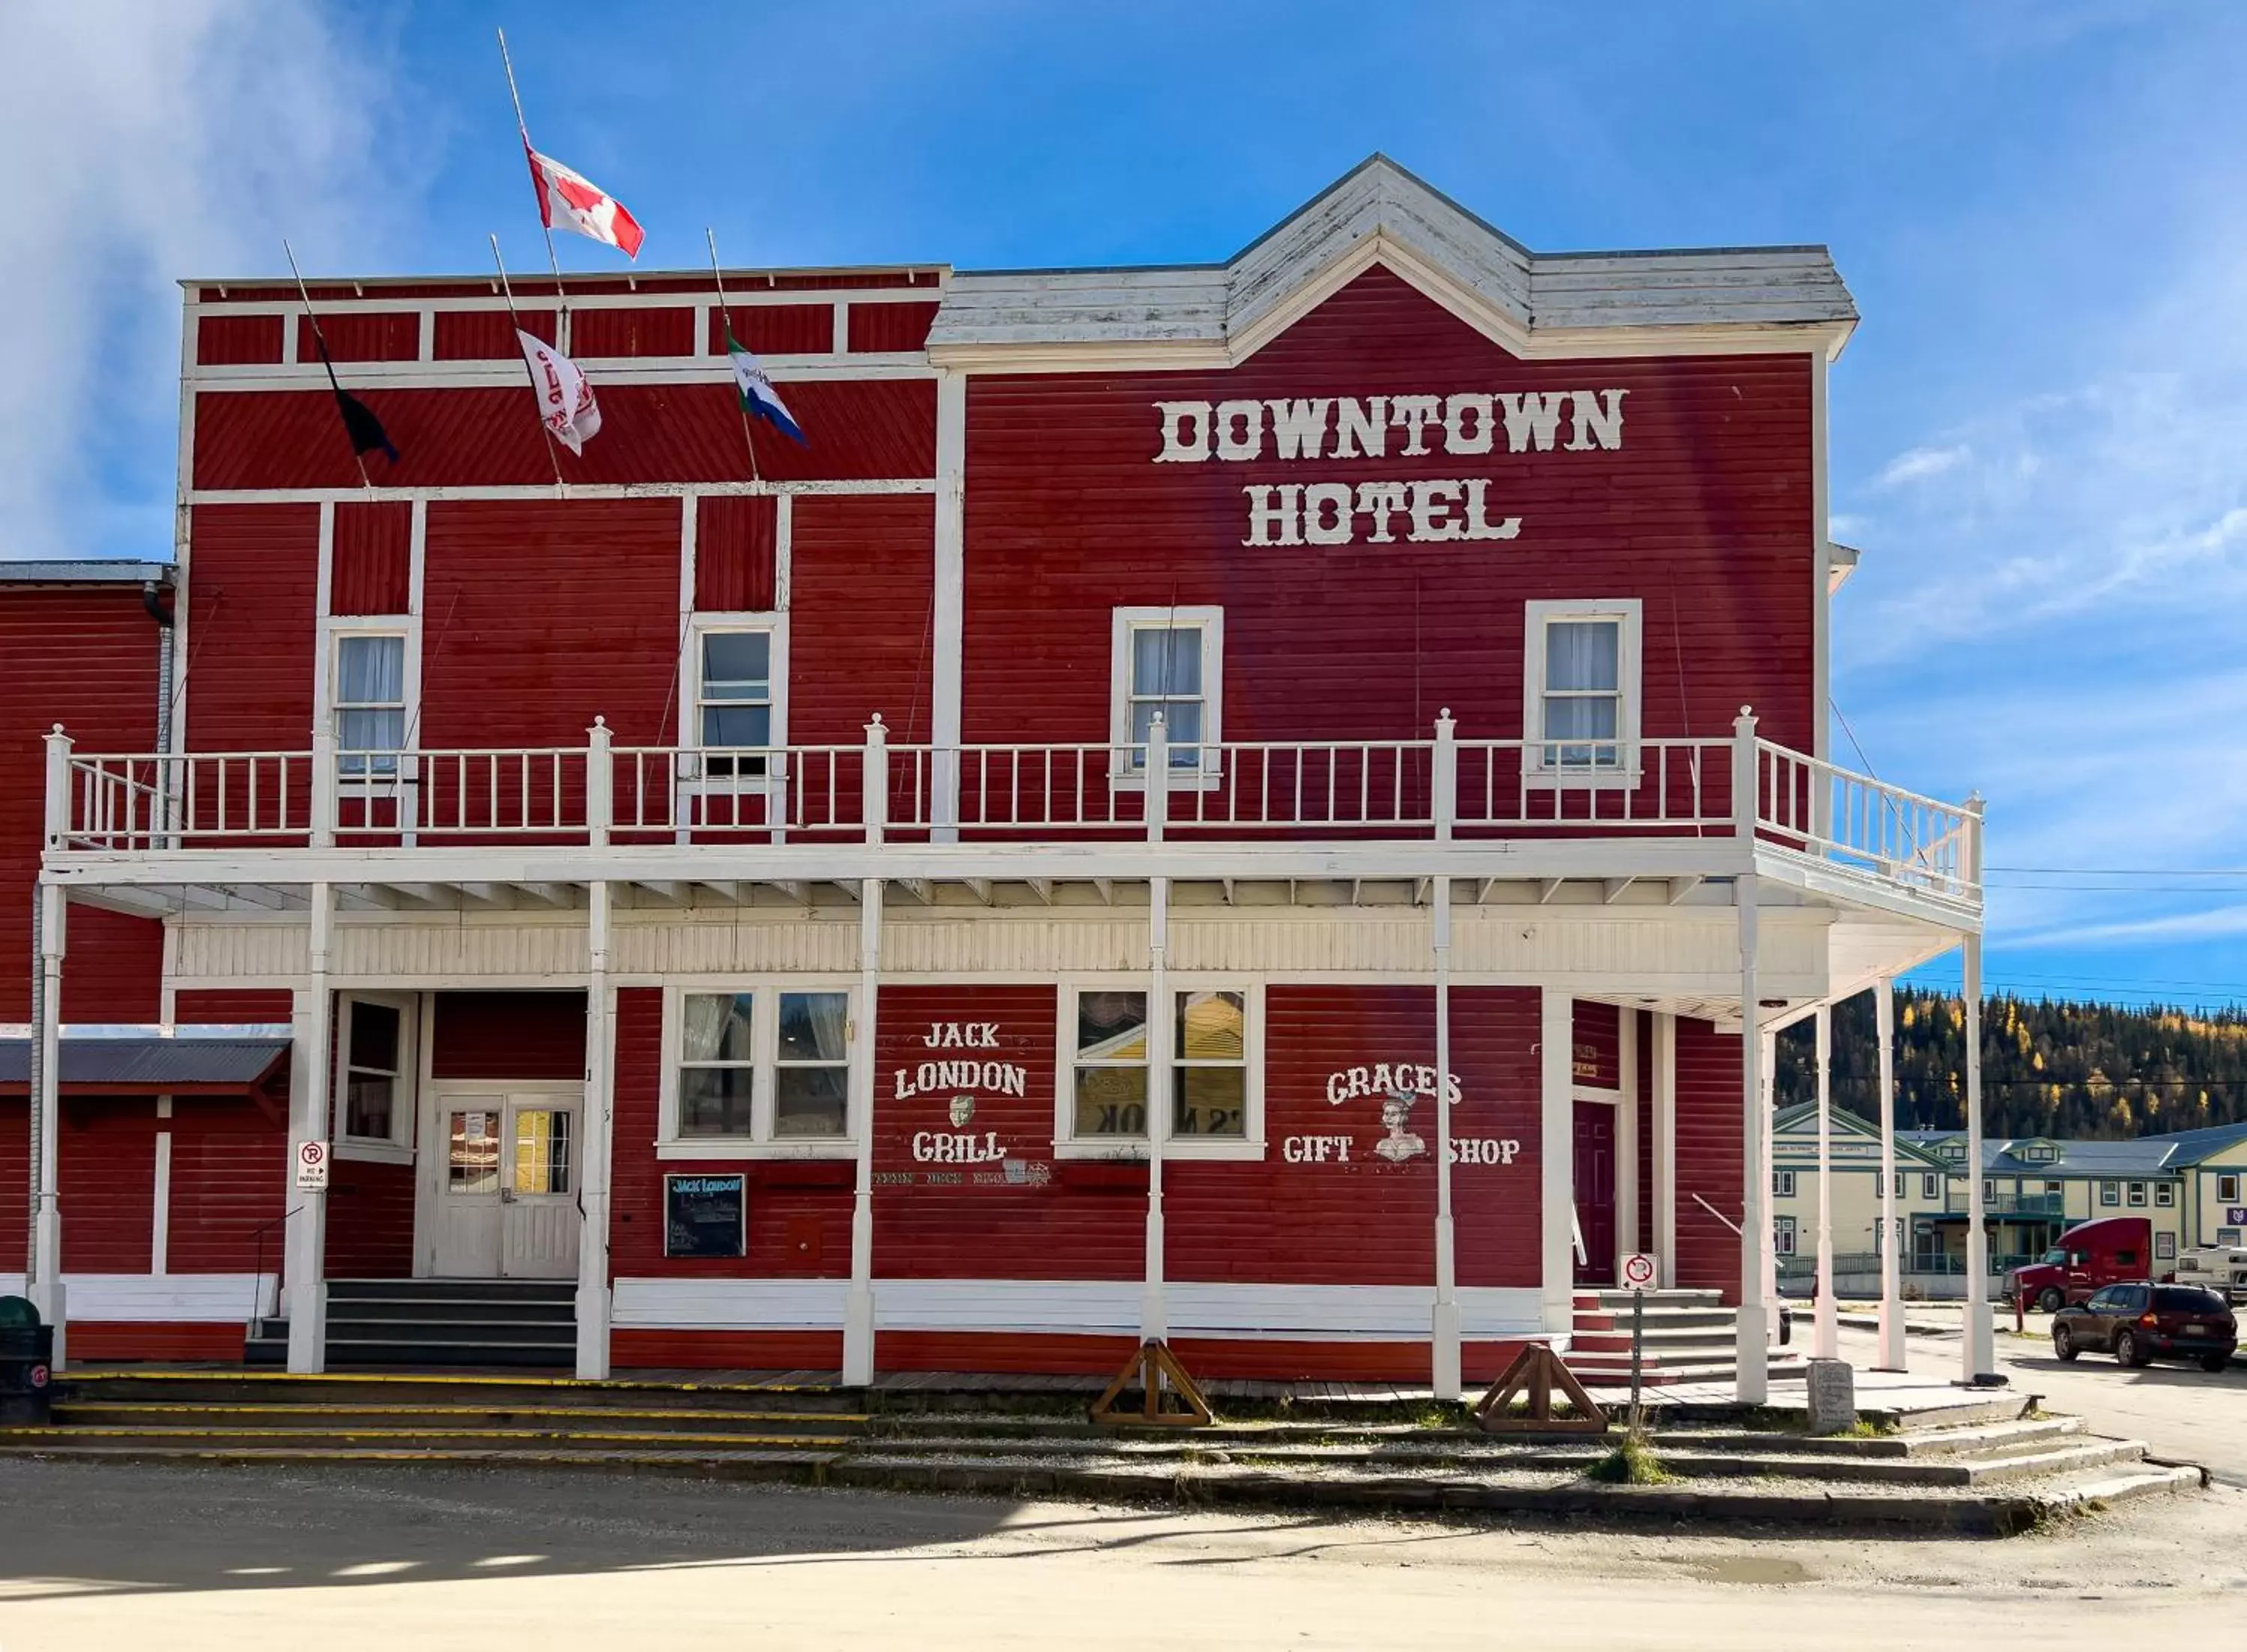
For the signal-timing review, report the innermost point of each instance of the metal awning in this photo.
(153, 1066)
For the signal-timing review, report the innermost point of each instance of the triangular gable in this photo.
(1796, 1127)
(1549, 304)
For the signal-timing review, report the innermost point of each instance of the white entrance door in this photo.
(506, 1194)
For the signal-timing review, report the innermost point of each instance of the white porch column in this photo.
(1892, 1331)
(1556, 1038)
(46, 1290)
(1444, 1374)
(310, 1066)
(1664, 1031)
(599, 1133)
(1628, 1146)
(858, 1301)
(1979, 1355)
(1767, 1240)
(1750, 1344)
(1154, 1301)
(1826, 1331)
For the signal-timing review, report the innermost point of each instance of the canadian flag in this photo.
(567, 201)
(566, 400)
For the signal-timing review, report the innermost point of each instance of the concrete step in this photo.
(1653, 1342)
(362, 1310)
(385, 1389)
(417, 1437)
(564, 1291)
(1609, 1300)
(315, 1416)
(1666, 1318)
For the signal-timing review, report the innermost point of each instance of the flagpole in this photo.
(562, 340)
(725, 313)
(537, 396)
(303, 292)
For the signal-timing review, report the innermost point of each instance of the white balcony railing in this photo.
(1442, 788)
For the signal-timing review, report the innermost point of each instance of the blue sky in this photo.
(2039, 433)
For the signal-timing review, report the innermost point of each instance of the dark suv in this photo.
(2141, 1323)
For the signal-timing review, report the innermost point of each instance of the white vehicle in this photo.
(2221, 1268)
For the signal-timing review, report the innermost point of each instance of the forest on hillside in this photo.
(2089, 1071)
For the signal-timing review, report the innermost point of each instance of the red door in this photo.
(1596, 1191)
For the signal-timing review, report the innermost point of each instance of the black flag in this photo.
(364, 430)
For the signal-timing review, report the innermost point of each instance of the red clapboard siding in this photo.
(232, 1006)
(1596, 1059)
(371, 1221)
(370, 568)
(231, 341)
(734, 541)
(85, 657)
(967, 1221)
(859, 429)
(778, 330)
(1709, 1114)
(729, 1350)
(252, 585)
(861, 581)
(792, 1232)
(1369, 1221)
(891, 327)
(509, 1035)
(487, 334)
(632, 333)
(229, 1162)
(1704, 515)
(106, 1159)
(361, 338)
(15, 1182)
(542, 614)
(91, 1341)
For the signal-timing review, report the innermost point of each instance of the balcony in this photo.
(1685, 809)
(2005, 1202)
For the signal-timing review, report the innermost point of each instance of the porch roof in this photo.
(152, 1065)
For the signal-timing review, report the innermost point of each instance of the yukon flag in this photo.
(569, 201)
(758, 395)
(566, 406)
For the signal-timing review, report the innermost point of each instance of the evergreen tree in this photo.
(2087, 1071)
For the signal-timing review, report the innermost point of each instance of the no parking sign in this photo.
(1638, 1271)
(311, 1167)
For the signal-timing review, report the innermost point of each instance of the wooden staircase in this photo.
(1688, 1337)
(418, 1323)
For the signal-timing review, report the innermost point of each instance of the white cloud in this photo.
(1920, 463)
(148, 143)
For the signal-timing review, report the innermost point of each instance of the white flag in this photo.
(566, 400)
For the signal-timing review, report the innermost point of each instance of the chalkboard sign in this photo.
(705, 1215)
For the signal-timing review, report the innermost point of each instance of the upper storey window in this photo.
(1581, 678)
(370, 701)
(738, 668)
(1168, 661)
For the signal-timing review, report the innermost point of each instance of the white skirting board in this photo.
(165, 1299)
(1317, 1313)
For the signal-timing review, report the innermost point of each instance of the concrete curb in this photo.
(1870, 1512)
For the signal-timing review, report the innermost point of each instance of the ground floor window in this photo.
(1782, 1231)
(374, 1065)
(757, 1066)
(1212, 1035)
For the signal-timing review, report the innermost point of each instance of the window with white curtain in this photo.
(756, 1067)
(1581, 682)
(1171, 661)
(369, 701)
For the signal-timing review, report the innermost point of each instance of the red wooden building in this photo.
(1239, 802)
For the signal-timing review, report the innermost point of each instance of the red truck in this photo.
(2108, 1252)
